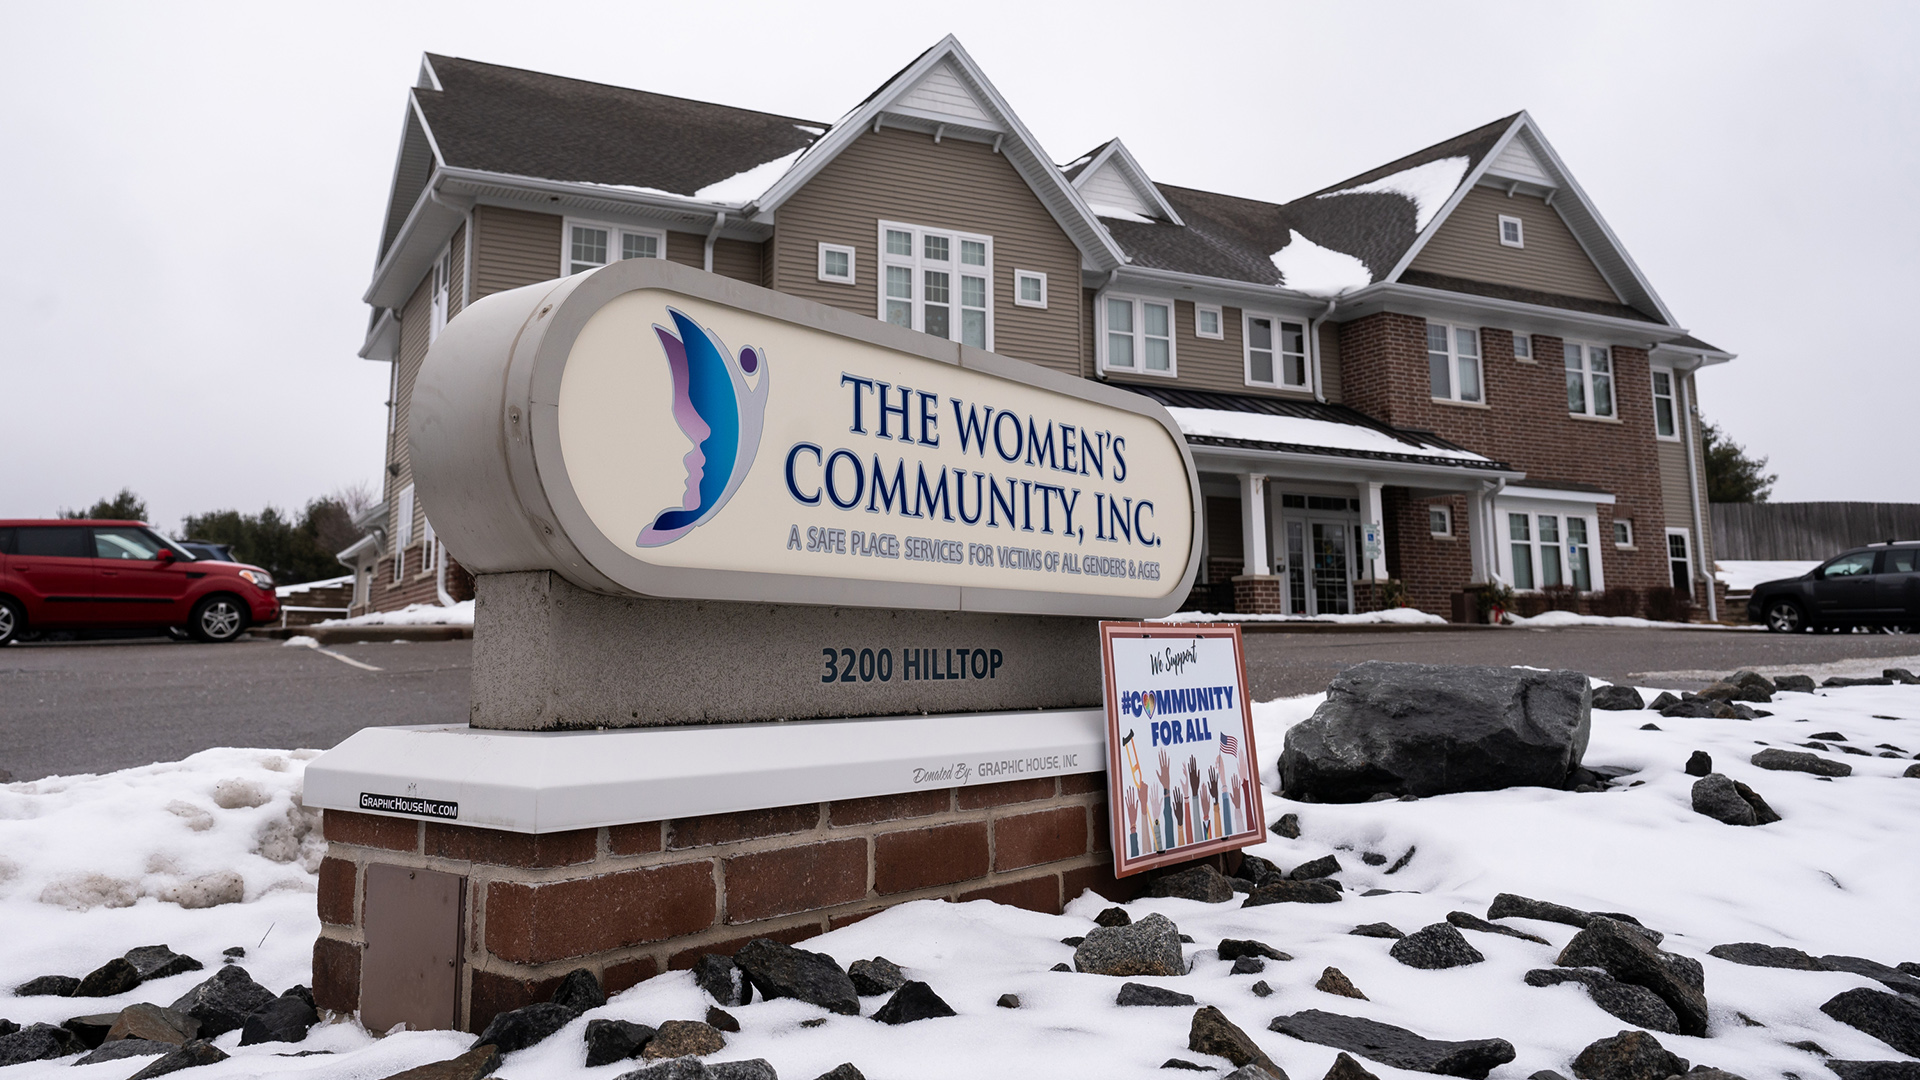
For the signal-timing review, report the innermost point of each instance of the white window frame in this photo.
(1139, 335)
(1619, 524)
(1534, 509)
(1586, 374)
(1454, 358)
(429, 546)
(851, 275)
(1280, 355)
(1672, 399)
(1446, 517)
(615, 246)
(1522, 340)
(1021, 276)
(441, 294)
(1219, 322)
(1519, 232)
(1686, 538)
(919, 264)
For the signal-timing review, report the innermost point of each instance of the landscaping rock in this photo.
(1421, 729)
(37, 1042)
(1212, 1033)
(783, 971)
(1699, 763)
(876, 976)
(1913, 772)
(722, 980)
(1618, 698)
(1893, 978)
(1377, 930)
(1841, 680)
(1008, 1001)
(116, 976)
(1696, 708)
(1288, 826)
(720, 1019)
(1798, 683)
(1150, 946)
(1324, 866)
(1730, 802)
(609, 1041)
(472, 1065)
(1876, 1070)
(121, 1049)
(1629, 957)
(1891, 1018)
(517, 1029)
(1510, 906)
(1261, 989)
(153, 1023)
(1635, 1004)
(1345, 1068)
(159, 961)
(1465, 921)
(48, 986)
(1335, 981)
(1754, 954)
(1797, 761)
(1116, 916)
(1250, 1072)
(1278, 890)
(1248, 965)
(1662, 700)
(683, 1038)
(284, 1019)
(1435, 946)
(1396, 1046)
(1134, 993)
(1630, 1055)
(224, 1001)
(190, 1056)
(1202, 883)
(1746, 687)
(842, 1071)
(1235, 948)
(90, 1030)
(914, 1000)
(579, 991)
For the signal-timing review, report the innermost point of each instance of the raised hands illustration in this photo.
(1166, 772)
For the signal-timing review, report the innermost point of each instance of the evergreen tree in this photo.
(1733, 476)
(126, 506)
(291, 550)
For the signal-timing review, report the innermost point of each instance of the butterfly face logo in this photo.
(716, 407)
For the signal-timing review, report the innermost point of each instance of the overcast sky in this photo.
(193, 193)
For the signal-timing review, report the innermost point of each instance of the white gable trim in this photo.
(1022, 150)
(1115, 160)
(428, 79)
(1602, 247)
(940, 92)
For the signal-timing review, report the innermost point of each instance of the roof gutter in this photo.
(1264, 295)
(1313, 349)
(1385, 292)
(1466, 478)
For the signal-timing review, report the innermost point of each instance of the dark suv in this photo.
(1877, 585)
(121, 575)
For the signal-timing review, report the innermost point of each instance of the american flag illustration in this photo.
(1230, 745)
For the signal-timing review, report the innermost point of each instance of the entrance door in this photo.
(1332, 587)
(1296, 567)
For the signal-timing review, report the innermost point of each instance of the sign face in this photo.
(697, 437)
(1370, 545)
(1182, 778)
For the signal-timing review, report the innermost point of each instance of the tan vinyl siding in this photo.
(1216, 364)
(457, 282)
(904, 176)
(415, 319)
(1330, 361)
(687, 249)
(513, 248)
(1467, 245)
(737, 259)
(1674, 493)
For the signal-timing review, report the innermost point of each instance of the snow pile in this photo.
(1390, 616)
(1302, 431)
(284, 591)
(1741, 575)
(1427, 186)
(460, 614)
(1548, 620)
(747, 186)
(1317, 271)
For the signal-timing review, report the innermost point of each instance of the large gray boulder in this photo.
(1425, 729)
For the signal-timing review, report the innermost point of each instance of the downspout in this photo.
(713, 234)
(1693, 486)
(1313, 343)
(440, 577)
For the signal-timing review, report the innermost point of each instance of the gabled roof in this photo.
(1116, 187)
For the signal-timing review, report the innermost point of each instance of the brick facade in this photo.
(630, 901)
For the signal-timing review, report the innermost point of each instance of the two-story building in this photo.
(1453, 347)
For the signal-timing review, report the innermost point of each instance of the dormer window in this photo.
(1512, 233)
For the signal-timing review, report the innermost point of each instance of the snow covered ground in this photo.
(1741, 575)
(1392, 616)
(1548, 620)
(1837, 875)
(460, 614)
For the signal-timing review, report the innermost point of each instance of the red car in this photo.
(121, 575)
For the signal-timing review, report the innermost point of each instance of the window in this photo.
(1512, 233)
(1439, 521)
(836, 264)
(124, 543)
(1679, 560)
(1138, 334)
(1664, 425)
(1549, 551)
(1276, 352)
(1523, 347)
(920, 268)
(1858, 564)
(1453, 362)
(590, 244)
(1622, 533)
(52, 542)
(441, 294)
(1589, 380)
(429, 546)
(1207, 322)
(1030, 288)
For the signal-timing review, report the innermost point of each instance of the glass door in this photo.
(1296, 568)
(1332, 588)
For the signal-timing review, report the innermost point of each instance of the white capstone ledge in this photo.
(541, 781)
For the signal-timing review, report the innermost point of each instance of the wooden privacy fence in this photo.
(1808, 530)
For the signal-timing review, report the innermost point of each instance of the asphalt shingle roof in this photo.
(509, 120)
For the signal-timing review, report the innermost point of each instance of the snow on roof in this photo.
(1108, 211)
(308, 586)
(1309, 268)
(744, 187)
(1302, 431)
(1427, 186)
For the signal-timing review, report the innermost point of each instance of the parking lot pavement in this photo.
(97, 706)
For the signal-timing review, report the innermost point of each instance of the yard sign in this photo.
(1182, 779)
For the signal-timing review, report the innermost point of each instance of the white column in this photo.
(1376, 516)
(1480, 535)
(1253, 524)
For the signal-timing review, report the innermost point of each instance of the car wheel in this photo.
(217, 619)
(12, 621)
(1785, 617)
